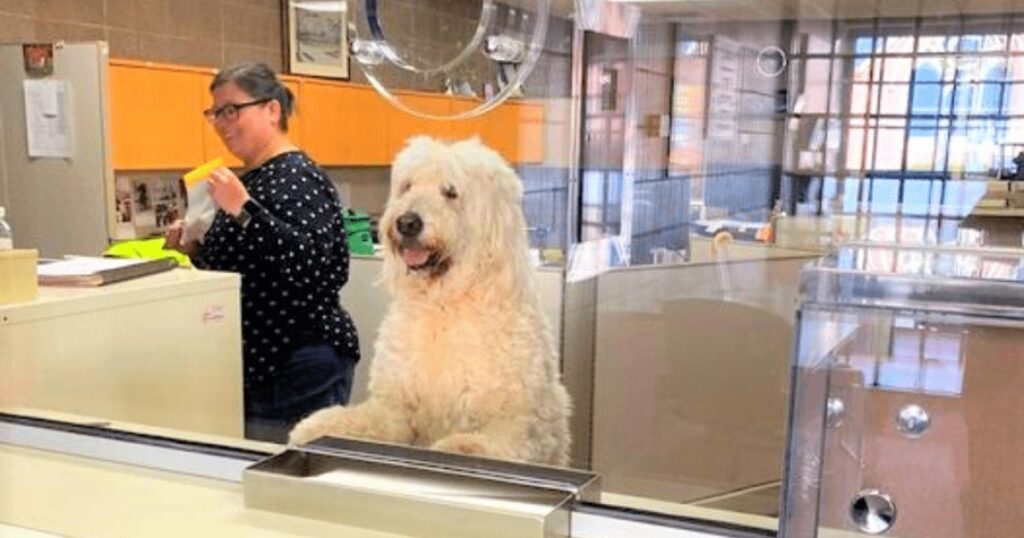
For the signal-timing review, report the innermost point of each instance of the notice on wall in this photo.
(48, 118)
(723, 98)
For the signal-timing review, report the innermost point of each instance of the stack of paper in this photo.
(90, 271)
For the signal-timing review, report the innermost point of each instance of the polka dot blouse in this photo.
(293, 258)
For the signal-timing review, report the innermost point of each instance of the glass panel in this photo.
(814, 37)
(867, 68)
(894, 99)
(933, 43)
(992, 69)
(816, 85)
(864, 44)
(925, 99)
(880, 389)
(898, 44)
(917, 196)
(993, 43)
(897, 69)
(855, 149)
(679, 163)
(928, 69)
(889, 152)
(864, 98)
(939, 34)
(921, 146)
(885, 195)
(959, 96)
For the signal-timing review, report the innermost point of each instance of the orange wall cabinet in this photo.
(401, 125)
(515, 129)
(156, 120)
(530, 124)
(463, 129)
(343, 125)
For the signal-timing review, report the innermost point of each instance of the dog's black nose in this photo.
(410, 224)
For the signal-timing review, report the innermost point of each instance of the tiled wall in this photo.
(220, 32)
(191, 32)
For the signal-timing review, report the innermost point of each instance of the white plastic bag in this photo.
(201, 211)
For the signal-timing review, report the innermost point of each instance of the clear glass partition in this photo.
(681, 162)
(724, 146)
(903, 406)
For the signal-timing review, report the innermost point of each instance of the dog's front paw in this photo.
(320, 424)
(463, 443)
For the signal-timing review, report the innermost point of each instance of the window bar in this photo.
(973, 86)
(828, 129)
(909, 122)
(941, 176)
(869, 180)
(1004, 99)
(952, 98)
(843, 110)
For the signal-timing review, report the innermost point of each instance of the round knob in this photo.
(771, 61)
(503, 48)
(835, 412)
(912, 421)
(367, 52)
(873, 512)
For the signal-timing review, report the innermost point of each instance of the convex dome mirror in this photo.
(478, 49)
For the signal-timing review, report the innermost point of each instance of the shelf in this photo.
(1006, 212)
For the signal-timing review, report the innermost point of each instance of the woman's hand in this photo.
(172, 239)
(227, 191)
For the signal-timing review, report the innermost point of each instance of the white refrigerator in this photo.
(58, 204)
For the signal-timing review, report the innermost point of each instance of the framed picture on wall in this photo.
(317, 37)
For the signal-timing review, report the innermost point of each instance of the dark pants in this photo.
(315, 377)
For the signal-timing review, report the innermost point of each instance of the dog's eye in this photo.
(449, 192)
(404, 188)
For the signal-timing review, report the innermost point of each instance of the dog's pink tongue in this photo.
(415, 257)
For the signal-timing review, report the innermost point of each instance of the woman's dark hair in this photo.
(259, 81)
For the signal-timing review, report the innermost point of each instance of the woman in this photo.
(280, 225)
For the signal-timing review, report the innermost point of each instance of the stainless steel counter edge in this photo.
(225, 463)
(137, 452)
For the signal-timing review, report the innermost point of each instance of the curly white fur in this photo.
(464, 361)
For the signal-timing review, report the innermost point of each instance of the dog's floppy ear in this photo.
(498, 210)
(417, 151)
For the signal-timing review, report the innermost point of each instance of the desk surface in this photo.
(73, 496)
(59, 300)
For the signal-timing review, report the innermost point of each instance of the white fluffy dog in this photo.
(464, 360)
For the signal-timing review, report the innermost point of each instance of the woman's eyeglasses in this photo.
(229, 111)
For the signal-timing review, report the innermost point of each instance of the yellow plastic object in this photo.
(18, 275)
(151, 249)
(202, 172)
